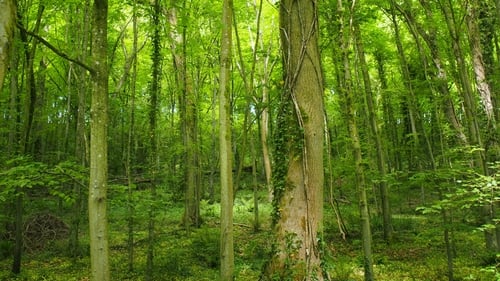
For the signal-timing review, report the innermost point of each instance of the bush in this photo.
(205, 247)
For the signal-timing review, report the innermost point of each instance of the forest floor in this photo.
(417, 251)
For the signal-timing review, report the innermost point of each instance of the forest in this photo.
(292, 140)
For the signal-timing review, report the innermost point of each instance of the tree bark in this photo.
(478, 64)
(299, 174)
(226, 177)
(98, 224)
(7, 24)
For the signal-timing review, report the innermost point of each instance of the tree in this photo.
(152, 141)
(226, 177)
(7, 24)
(299, 176)
(372, 118)
(188, 116)
(347, 90)
(98, 229)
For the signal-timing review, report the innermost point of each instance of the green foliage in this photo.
(292, 268)
(21, 175)
(470, 191)
(205, 246)
(342, 270)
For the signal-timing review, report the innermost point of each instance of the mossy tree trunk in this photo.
(98, 224)
(226, 177)
(299, 176)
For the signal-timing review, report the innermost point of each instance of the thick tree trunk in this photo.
(299, 176)
(98, 223)
(482, 83)
(7, 24)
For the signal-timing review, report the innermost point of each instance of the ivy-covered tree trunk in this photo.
(299, 175)
(7, 24)
(98, 223)
(155, 88)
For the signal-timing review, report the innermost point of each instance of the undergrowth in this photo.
(416, 253)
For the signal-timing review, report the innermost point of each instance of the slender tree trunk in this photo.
(213, 161)
(189, 119)
(153, 145)
(380, 153)
(248, 81)
(299, 174)
(7, 24)
(264, 121)
(348, 97)
(98, 223)
(256, 220)
(81, 144)
(410, 102)
(389, 129)
(130, 146)
(226, 177)
(440, 77)
(465, 88)
(29, 53)
(14, 149)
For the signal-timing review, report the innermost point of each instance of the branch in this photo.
(55, 50)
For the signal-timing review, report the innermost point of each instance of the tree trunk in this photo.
(465, 88)
(299, 175)
(348, 97)
(226, 177)
(7, 24)
(188, 119)
(482, 83)
(155, 88)
(98, 224)
(81, 145)
(380, 153)
(130, 146)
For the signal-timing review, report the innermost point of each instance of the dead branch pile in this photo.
(40, 229)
